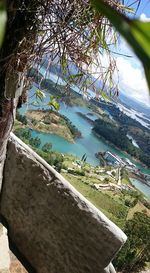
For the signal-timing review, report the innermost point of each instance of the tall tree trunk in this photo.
(12, 65)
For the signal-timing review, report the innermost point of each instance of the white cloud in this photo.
(130, 77)
(132, 80)
(144, 18)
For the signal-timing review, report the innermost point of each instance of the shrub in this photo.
(76, 172)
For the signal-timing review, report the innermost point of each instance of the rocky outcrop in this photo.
(54, 226)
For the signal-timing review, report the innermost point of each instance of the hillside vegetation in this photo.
(116, 131)
(48, 121)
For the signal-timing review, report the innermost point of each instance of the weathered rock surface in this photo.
(53, 225)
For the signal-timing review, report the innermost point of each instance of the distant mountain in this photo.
(130, 103)
(72, 70)
(55, 68)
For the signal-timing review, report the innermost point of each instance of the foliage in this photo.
(63, 119)
(119, 116)
(35, 142)
(118, 136)
(132, 197)
(146, 203)
(125, 176)
(52, 157)
(23, 134)
(21, 118)
(69, 33)
(76, 172)
(131, 203)
(136, 33)
(124, 125)
(39, 94)
(53, 103)
(136, 252)
(84, 158)
(3, 20)
(73, 129)
(47, 147)
(106, 180)
(26, 136)
(69, 96)
(115, 210)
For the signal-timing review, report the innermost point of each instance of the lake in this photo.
(89, 144)
(142, 187)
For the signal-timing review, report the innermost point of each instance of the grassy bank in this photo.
(114, 210)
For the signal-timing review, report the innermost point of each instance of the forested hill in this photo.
(117, 134)
(119, 116)
(114, 130)
(122, 125)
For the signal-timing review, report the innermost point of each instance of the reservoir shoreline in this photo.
(89, 144)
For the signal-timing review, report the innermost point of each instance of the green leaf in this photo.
(76, 76)
(63, 63)
(39, 94)
(53, 103)
(136, 33)
(104, 95)
(141, 33)
(3, 20)
(131, 10)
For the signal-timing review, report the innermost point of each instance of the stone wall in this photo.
(53, 225)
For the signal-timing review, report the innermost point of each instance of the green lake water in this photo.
(142, 187)
(89, 143)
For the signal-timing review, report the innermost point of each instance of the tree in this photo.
(83, 158)
(136, 251)
(21, 118)
(35, 142)
(23, 134)
(47, 147)
(70, 32)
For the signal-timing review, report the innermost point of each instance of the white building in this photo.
(113, 159)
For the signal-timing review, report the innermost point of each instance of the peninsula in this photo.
(48, 121)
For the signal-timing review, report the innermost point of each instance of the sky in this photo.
(132, 81)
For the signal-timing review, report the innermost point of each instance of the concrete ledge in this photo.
(51, 223)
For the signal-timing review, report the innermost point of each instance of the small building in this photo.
(113, 159)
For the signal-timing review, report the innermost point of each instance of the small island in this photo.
(48, 121)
